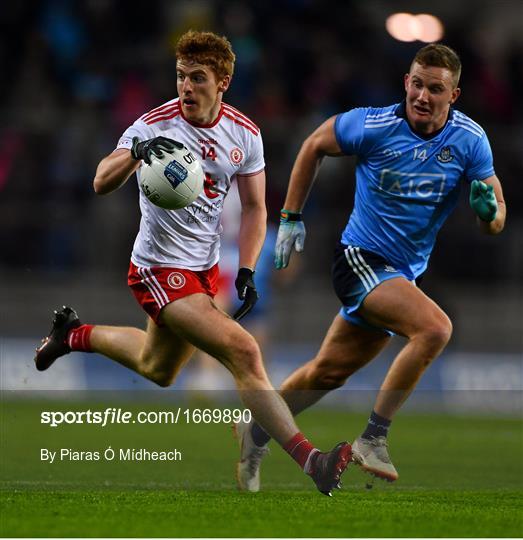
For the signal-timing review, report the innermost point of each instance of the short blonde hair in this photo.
(209, 49)
(438, 55)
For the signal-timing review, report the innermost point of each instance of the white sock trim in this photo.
(307, 468)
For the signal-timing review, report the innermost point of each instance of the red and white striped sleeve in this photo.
(143, 129)
(138, 129)
(252, 140)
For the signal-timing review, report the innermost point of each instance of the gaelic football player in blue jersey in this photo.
(413, 158)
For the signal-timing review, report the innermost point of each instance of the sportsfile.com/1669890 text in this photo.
(113, 415)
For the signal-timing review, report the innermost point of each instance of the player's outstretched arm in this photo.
(114, 170)
(316, 146)
(486, 199)
(291, 233)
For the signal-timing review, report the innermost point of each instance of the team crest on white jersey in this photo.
(236, 155)
(175, 280)
(445, 156)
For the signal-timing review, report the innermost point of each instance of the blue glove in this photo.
(483, 200)
(290, 234)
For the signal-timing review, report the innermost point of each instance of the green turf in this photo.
(180, 513)
(459, 477)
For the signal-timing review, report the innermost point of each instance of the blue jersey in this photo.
(407, 185)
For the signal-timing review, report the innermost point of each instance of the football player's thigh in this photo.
(397, 304)
(164, 349)
(197, 319)
(347, 344)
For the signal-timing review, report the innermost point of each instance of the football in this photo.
(173, 180)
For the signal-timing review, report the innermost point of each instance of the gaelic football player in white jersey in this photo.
(174, 264)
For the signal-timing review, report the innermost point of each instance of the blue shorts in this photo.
(355, 273)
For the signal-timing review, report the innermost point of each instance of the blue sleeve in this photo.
(348, 128)
(480, 165)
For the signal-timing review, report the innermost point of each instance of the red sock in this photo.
(79, 338)
(301, 450)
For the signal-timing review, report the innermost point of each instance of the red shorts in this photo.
(157, 286)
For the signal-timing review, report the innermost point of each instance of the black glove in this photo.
(246, 291)
(156, 146)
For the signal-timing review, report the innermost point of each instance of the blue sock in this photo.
(378, 426)
(259, 436)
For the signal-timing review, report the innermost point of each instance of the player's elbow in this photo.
(106, 181)
(99, 186)
(111, 173)
(261, 211)
(101, 179)
(312, 146)
(256, 210)
(492, 228)
(102, 185)
(492, 231)
(498, 226)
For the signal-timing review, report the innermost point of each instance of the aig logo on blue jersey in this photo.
(428, 186)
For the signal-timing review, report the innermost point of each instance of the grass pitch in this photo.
(459, 477)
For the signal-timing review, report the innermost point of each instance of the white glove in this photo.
(291, 234)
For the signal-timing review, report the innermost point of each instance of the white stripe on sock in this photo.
(307, 468)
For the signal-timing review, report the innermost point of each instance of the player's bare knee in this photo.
(254, 371)
(163, 381)
(327, 375)
(437, 334)
(330, 380)
(151, 370)
(245, 356)
(161, 378)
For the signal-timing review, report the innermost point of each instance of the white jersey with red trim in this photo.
(230, 146)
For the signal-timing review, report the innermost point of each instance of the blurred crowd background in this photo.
(77, 73)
